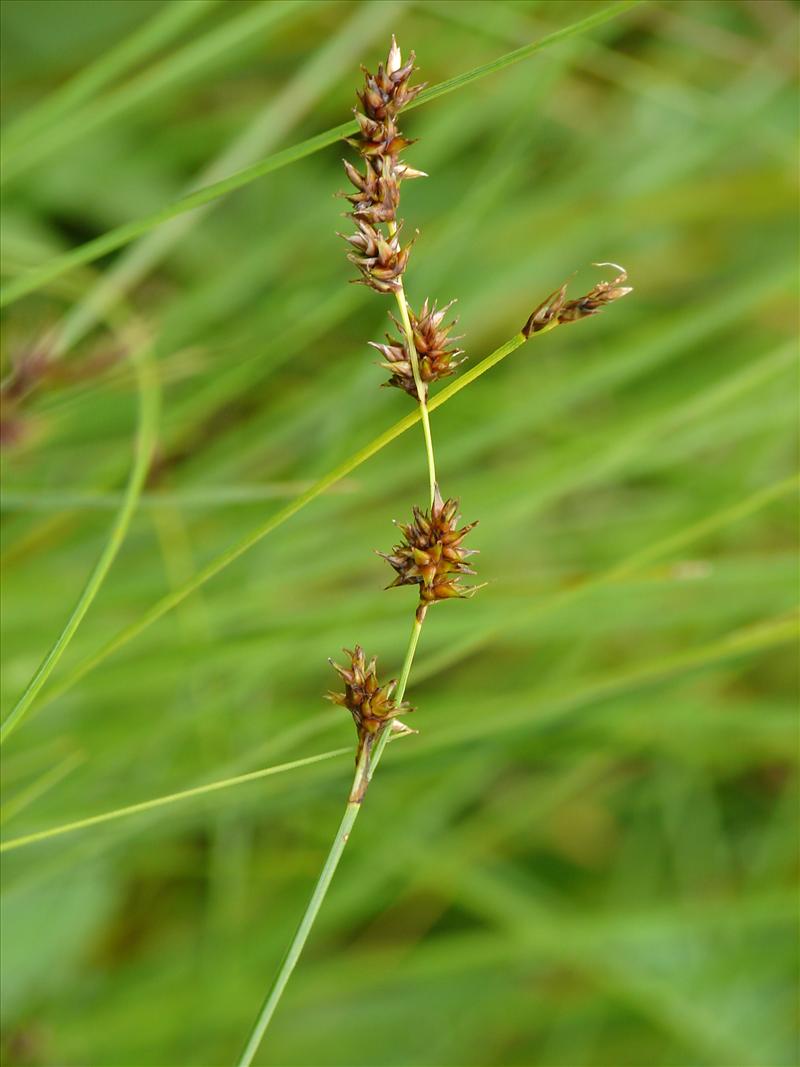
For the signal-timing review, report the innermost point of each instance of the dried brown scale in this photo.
(431, 554)
(377, 198)
(378, 139)
(434, 359)
(370, 703)
(557, 310)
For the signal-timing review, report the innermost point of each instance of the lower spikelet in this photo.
(370, 703)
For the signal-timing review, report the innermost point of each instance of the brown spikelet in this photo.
(431, 554)
(379, 142)
(370, 704)
(434, 358)
(388, 92)
(557, 309)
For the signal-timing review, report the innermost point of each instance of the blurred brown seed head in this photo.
(34, 369)
(556, 309)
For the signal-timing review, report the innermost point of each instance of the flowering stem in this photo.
(364, 770)
(382, 741)
(419, 618)
(422, 389)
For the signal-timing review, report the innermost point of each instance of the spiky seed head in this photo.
(379, 142)
(387, 92)
(434, 358)
(431, 554)
(371, 704)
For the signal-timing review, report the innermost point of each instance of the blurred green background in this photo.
(588, 854)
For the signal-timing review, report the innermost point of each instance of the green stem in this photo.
(419, 618)
(364, 771)
(312, 910)
(422, 389)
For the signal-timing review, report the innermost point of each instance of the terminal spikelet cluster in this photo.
(378, 254)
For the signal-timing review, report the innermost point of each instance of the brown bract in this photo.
(431, 553)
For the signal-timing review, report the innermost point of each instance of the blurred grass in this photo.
(591, 843)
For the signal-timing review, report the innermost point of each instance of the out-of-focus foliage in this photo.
(586, 857)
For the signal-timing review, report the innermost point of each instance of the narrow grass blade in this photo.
(122, 235)
(238, 32)
(166, 24)
(170, 798)
(148, 391)
(270, 125)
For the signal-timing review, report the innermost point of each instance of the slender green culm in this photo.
(309, 916)
(364, 769)
(421, 358)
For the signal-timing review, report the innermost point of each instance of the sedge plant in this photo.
(430, 555)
